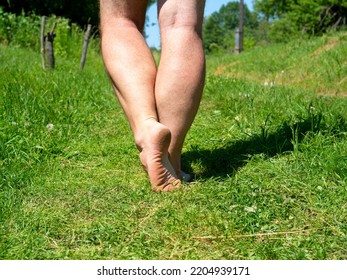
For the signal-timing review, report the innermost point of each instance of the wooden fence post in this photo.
(239, 31)
(85, 45)
(49, 38)
(42, 42)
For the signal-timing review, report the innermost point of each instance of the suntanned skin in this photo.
(160, 104)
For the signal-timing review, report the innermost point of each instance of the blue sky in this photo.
(152, 30)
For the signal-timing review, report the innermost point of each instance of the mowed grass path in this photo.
(270, 169)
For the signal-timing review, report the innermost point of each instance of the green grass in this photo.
(270, 168)
(318, 65)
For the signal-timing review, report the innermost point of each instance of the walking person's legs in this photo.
(160, 105)
(132, 70)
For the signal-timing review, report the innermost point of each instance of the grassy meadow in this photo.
(268, 153)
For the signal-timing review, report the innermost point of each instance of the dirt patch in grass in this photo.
(332, 43)
(320, 69)
(222, 69)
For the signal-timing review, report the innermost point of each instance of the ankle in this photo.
(144, 132)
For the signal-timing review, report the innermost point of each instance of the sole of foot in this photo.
(154, 157)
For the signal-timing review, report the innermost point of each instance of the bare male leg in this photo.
(181, 73)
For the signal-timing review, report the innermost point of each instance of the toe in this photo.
(171, 186)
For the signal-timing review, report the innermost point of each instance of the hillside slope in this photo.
(318, 64)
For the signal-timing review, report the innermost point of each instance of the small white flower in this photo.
(282, 72)
(251, 209)
(217, 112)
(50, 126)
(266, 83)
(238, 118)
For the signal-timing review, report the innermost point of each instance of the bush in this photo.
(24, 31)
(19, 30)
(282, 31)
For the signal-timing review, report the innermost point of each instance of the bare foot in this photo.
(153, 146)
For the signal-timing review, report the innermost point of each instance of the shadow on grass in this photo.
(225, 161)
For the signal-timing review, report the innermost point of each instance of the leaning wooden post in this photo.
(240, 46)
(42, 42)
(49, 47)
(85, 45)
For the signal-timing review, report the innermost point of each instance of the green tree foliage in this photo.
(271, 9)
(80, 12)
(150, 2)
(309, 16)
(23, 31)
(219, 27)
